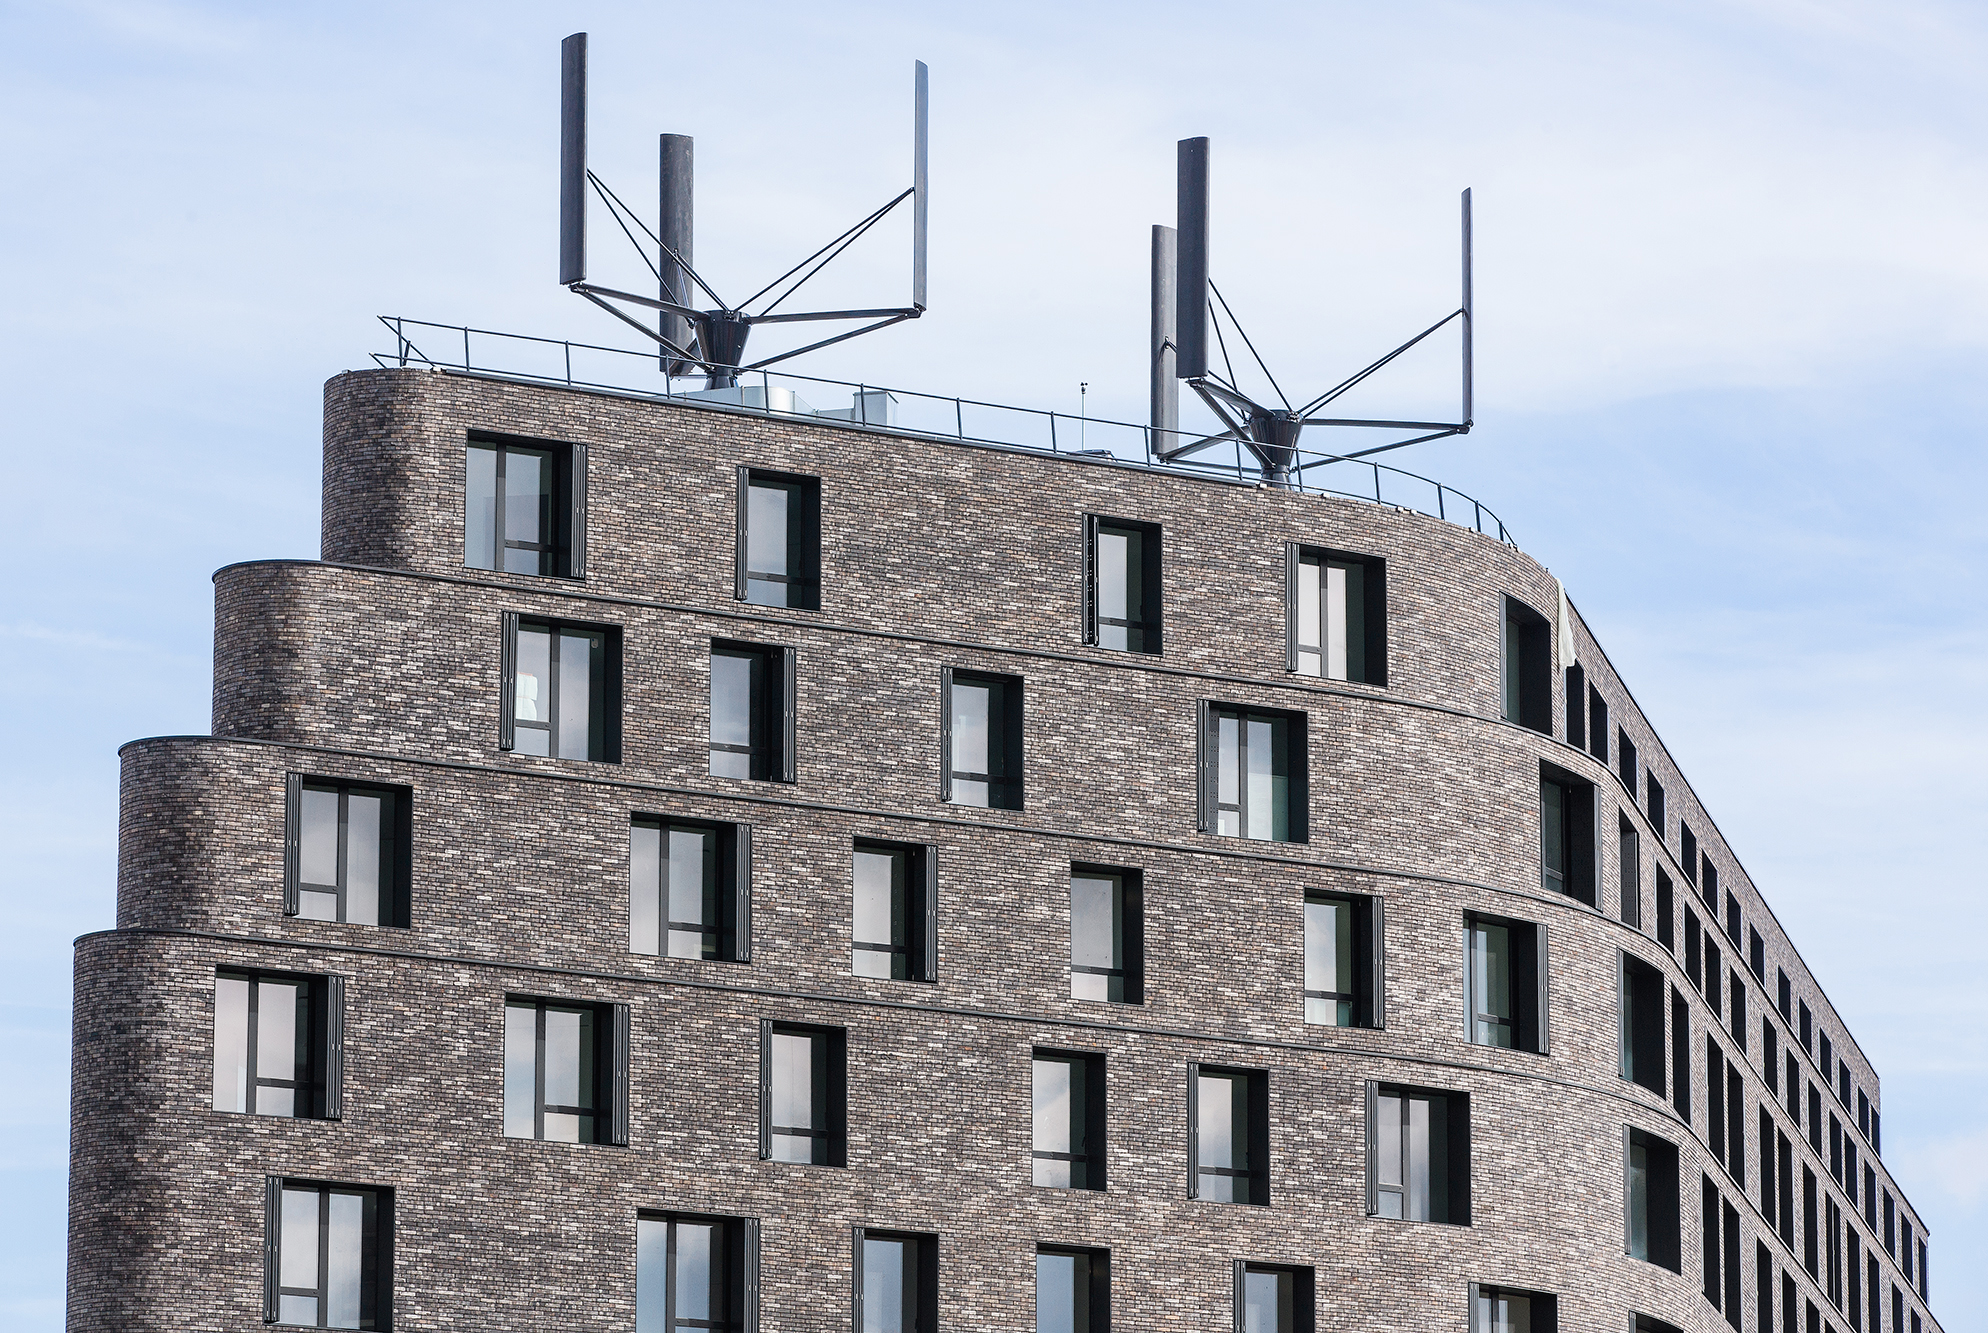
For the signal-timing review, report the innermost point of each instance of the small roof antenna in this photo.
(1187, 306)
(708, 336)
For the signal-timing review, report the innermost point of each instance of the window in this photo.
(1736, 1019)
(1122, 584)
(1418, 1154)
(1784, 1158)
(1072, 1290)
(525, 507)
(1709, 874)
(1336, 614)
(1343, 960)
(1629, 866)
(1733, 919)
(1654, 800)
(562, 690)
(803, 1099)
(1680, 1055)
(1849, 1168)
(1843, 1083)
(1625, 760)
(1770, 1055)
(1528, 667)
(1874, 1287)
(1597, 725)
(752, 712)
(1687, 856)
(1714, 971)
(1810, 1260)
(1504, 1310)
(1069, 1095)
(1736, 1124)
(1666, 911)
(1786, 997)
(1890, 1223)
(896, 1280)
(1650, 1186)
(694, 1272)
(1644, 1323)
(1694, 966)
(1793, 1071)
(1228, 1134)
(1815, 1120)
(1715, 1099)
(1870, 1199)
(1576, 707)
(1566, 834)
(327, 1254)
(346, 852)
(982, 740)
(1756, 955)
(565, 1071)
(1107, 935)
(279, 1044)
(779, 539)
(1273, 1298)
(1252, 774)
(1767, 1166)
(1642, 1024)
(1505, 983)
(895, 912)
(690, 888)
(1720, 1258)
(1853, 1272)
(1864, 1113)
(1836, 1149)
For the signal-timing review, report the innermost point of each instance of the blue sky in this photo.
(1733, 309)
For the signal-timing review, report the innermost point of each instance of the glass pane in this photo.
(731, 706)
(1263, 791)
(644, 889)
(697, 1247)
(527, 502)
(569, 1058)
(1552, 837)
(297, 1310)
(766, 535)
(1267, 1299)
(1387, 1132)
(278, 1043)
(520, 1071)
(1217, 1127)
(344, 1260)
(1504, 1314)
(316, 906)
(1310, 618)
(1062, 1293)
(1052, 1105)
(1095, 924)
(362, 859)
(1491, 983)
(794, 1104)
(693, 893)
(231, 1002)
(970, 725)
(1418, 1159)
(1117, 587)
(576, 662)
(883, 1286)
(298, 1262)
(1639, 1201)
(1335, 622)
(651, 1254)
(878, 909)
(479, 531)
(534, 680)
(1228, 774)
(317, 839)
(1328, 959)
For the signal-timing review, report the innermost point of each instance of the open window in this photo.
(525, 506)
(895, 1281)
(561, 686)
(690, 888)
(1527, 651)
(1122, 589)
(1072, 1289)
(696, 1272)
(1069, 1097)
(346, 851)
(1273, 1298)
(1510, 1310)
(779, 539)
(1418, 1154)
(1344, 953)
(1505, 994)
(327, 1254)
(1335, 614)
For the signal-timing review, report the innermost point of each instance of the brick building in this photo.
(673, 866)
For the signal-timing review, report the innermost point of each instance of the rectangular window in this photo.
(1505, 999)
(752, 712)
(690, 888)
(1107, 935)
(1336, 614)
(1815, 1120)
(1905, 1248)
(1651, 1188)
(1736, 1018)
(1418, 1154)
(894, 914)
(1710, 1253)
(1642, 1024)
(1503, 1310)
(1731, 1234)
(1344, 949)
(1709, 875)
(1694, 949)
(1853, 1273)
(1576, 707)
(1122, 584)
(1871, 1199)
(1680, 1055)
(1836, 1149)
(1069, 1090)
(982, 740)
(1874, 1289)
(327, 1254)
(1273, 1298)
(1687, 854)
(1733, 920)
(1763, 1287)
(1528, 667)
(1784, 1174)
(1228, 1134)
(1786, 1000)
(1832, 1251)
(1629, 869)
(896, 1281)
(279, 1044)
(1843, 1083)
(779, 539)
(1864, 1113)
(1792, 1069)
(694, 1272)
(1715, 1099)
(565, 1071)
(1736, 1124)
(1666, 911)
(1072, 1290)
(1849, 1168)
(803, 1098)
(525, 507)
(1890, 1226)
(346, 851)
(1714, 971)
(1756, 955)
(1644, 1323)
(1566, 834)
(1597, 725)
(562, 690)
(1252, 774)
(1625, 760)
(1811, 1260)
(1654, 800)
(1767, 1166)
(1770, 1055)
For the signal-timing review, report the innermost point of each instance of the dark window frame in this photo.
(1367, 918)
(1529, 975)
(1641, 1005)
(920, 910)
(1544, 1306)
(1005, 738)
(566, 519)
(1625, 761)
(609, 1114)
(320, 1094)
(396, 847)
(1597, 725)
(1663, 1228)
(1303, 1295)
(920, 1299)
(830, 1087)
(1575, 848)
(1091, 1166)
(804, 533)
(1145, 635)
(740, 1266)
(1525, 651)
(1666, 904)
(1256, 1141)
(604, 713)
(1629, 870)
(1130, 913)
(380, 1267)
(1097, 1282)
(772, 711)
(1456, 1203)
(731, 889)
(1373, 613)
(1297, 787)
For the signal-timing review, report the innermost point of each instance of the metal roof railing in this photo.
(531, 359)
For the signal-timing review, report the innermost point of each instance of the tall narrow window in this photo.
(1528, 667)
(803, 1101)
(328, 1250)
(690, 888)
(1710, 1252)
(695, 1272)
(1642, 1024)
(1770, 1055)
(1680, 1055)
(752, 712)
(1107, 935)
(1122, 584)
(1629, 869)
(1343, 960)
(1566, 834)
(1418, 1154)
(1597, 725)
(1666, 911)
(565, 1071)
(895, 912)
(279, 1044)
(525, 507)
(1756, 955)
(1736, 1017)
(1503, 1310)
(1767, 1166)
(1687, 855)
(1228, 1134)
(1625, 760)
(1577, 713)
(779, 539)
(1072, 1290)
(1069, 1119)
(1651, 1187)
(1253, 774)
(896, 1282)
(562, 688)
(1273, 1298)
(1336, 614)
(1505, 982)
(347, 852)
(1709, 886)
(1653, 800)
(983, 739)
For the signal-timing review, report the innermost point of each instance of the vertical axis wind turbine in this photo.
(708, 341)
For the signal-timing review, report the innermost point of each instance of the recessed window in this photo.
(803, 1101)
(894, 911)
(1644, 1323)
(1228, 1134)
(779, 539)
(1625, 760)
(1072, 1290)
(1653, 801)
(1687, 851)
(562, 690)
(1694, 949)
(565, 1071)
(1666, 911)
(1629, 869)
(1756, 955)
(1528, 667)
(328, 1249)
(1252, 773)
(896, 1282)
(347, 852)
(1654, 1234)
(1680, 1055)
(1418, 1154)
(752, 712)
(1122, 584)
(1785, 999)
(1107, 935)
(1343, 960)
(1597, 725)
(1566, 834)
(690, 888)
(525, 507)
(1273, 1298)
(1505, 983)
(1642, 1024)
(1575, 706)
(1719, 1225)
(1736, 1014)
(1805, 1024)
(1068, 1151)
(1504, 1310)
(982, 740)
(1335, 614)
(279, 1044)
(695, 1272)
(1770, 1054)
